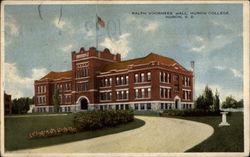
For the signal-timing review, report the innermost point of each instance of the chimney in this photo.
(192, 66)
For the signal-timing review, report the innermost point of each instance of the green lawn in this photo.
(224, 139)
(18, 128)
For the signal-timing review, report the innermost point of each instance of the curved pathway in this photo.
(157, 135)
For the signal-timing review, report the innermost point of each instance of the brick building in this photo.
(100, 80)
(7, 104)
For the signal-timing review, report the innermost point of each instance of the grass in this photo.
(224, 139)
(18, 128)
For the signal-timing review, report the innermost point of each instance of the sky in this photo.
(37, 43)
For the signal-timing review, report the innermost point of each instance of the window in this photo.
(122, 106)
(116, 107)
(117, 80)
(122, 94)
(148, 106)
(162, 106)
(60, 99)
(82, 86)
(148, 76)
(176, 77)
(122, 80)
(105, 96)
(126, 106)
(165, 92)
(168, 78)
(67, 99)
(117, 95)
(149, 92)
(136, 106)
(110, 81)
(136, 78)
(136, 93)
(142, 93)
(106, 82)
(82, 72)
(142, 77)
(126, 82)
(164, 77)
(127, 94)
(142, 106)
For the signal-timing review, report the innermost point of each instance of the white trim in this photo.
(143, 98)
(84, 77)
(105, 100)
(144, 82)
(187, 103)
(140, 87)
(103, 91)
(122, 89)
(82, 81)
(80, 98)
(166, 87)
(122, 85)
(187, 90)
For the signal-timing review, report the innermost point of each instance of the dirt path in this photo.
(157, 135)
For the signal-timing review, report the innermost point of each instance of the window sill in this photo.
(141, 82)
(121, 99)
(105, 100)
(142, 98)
(121, 85)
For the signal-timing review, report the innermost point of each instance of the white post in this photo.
(224, 119)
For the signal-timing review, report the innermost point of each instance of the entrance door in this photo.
(176, 103)
(84, 104)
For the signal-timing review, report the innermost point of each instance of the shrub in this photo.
(190, 112)
(52, 132)
(91, 120)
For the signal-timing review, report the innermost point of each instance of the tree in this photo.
(56, 99)
(206, 100)
(230, 102)
(200, 102)
(240, 103)
(216, 103)
(21, 105)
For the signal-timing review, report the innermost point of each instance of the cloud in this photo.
(151, 27)
(236, 73)
(208, 44)
(60, 24)
(118, 46)
(220, 67)
(19, 86)
(67, 48)
(11, 26)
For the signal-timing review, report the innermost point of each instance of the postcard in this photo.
(125, 78)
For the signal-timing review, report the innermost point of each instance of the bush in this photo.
(190, 112)
(52, 132)
(91, 120)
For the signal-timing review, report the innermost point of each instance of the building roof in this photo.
(57, 75)
(144, 60)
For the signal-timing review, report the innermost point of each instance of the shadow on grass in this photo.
(17, 130)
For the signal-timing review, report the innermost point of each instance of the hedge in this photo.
(190, 112)
(96, 119)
